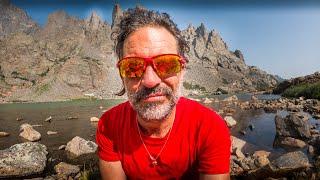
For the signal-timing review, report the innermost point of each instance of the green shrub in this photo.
(310, 91)
(190, 86)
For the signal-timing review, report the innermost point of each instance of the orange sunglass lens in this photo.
(131, 67)
(167, 65)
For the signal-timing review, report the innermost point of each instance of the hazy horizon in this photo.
(281, 38)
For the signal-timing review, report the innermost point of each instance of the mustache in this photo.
(144, 92)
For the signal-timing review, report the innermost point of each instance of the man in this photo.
(157, 134)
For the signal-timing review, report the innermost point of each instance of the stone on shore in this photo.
(290, 162)
(230, 121)
(22, 160)
(292, 142)
(237, 143)
(29, 133)
(79, 146)
(62, 147)
(66, 169)
(231, 98)
(207, 101)
(52, 132)
(48, 119)
(292, 126)
(4, 134)
(94, 119)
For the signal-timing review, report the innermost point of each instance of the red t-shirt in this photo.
(199, 143)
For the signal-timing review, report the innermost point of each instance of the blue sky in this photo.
(280, 37)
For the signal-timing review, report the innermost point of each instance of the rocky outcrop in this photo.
(309, 79)
(71, 57)
(292, 126)
(14, 20)
(22, 160)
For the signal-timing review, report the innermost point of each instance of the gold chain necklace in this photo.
(154, 161)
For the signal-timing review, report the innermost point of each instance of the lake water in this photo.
(35, 113)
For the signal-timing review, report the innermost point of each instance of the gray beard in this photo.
(155, 110)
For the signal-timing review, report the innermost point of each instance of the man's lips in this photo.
(154, 97)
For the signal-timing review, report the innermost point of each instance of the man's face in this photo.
(151, 96)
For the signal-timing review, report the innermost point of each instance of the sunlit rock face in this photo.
(71, 57)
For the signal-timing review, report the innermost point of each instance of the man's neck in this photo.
(157, 128)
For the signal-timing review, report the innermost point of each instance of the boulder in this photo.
(292, 126)
(230, 121)
(27, 132)
(238, 153)
(290, 162)
(292, 142)
(231, 98)
(79, 146)
(22, 160)
(94, 119)
(66, 169)
(237, 143)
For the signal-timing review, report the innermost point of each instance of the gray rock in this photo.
(289, 162)
(48, 119)
(230, 121)
(94, 119)
(292, 126)
(66, 169)
(62, 147)
(79, 146)
(231, 98)
(52, 132)
(261, 158)
(4, 134)
(292, 142)
(27, 132)
(23, 159)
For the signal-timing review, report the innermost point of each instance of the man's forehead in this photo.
(150, 41)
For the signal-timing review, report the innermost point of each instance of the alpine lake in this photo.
(72, 118)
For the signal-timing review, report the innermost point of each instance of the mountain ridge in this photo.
(70, 57)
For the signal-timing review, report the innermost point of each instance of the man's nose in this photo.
(150, 78)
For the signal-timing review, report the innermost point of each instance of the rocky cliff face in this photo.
(70, 58)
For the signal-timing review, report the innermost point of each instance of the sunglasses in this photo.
(164, 65)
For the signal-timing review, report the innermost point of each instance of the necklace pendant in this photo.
(154, 162)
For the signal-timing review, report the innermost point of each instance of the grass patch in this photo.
(309, 91)
(90, 174)
(190, 86)
(42, 89)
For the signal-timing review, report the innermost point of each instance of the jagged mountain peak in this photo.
(201, 30)
(94, 21)
(14, 19)
(116, 14)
